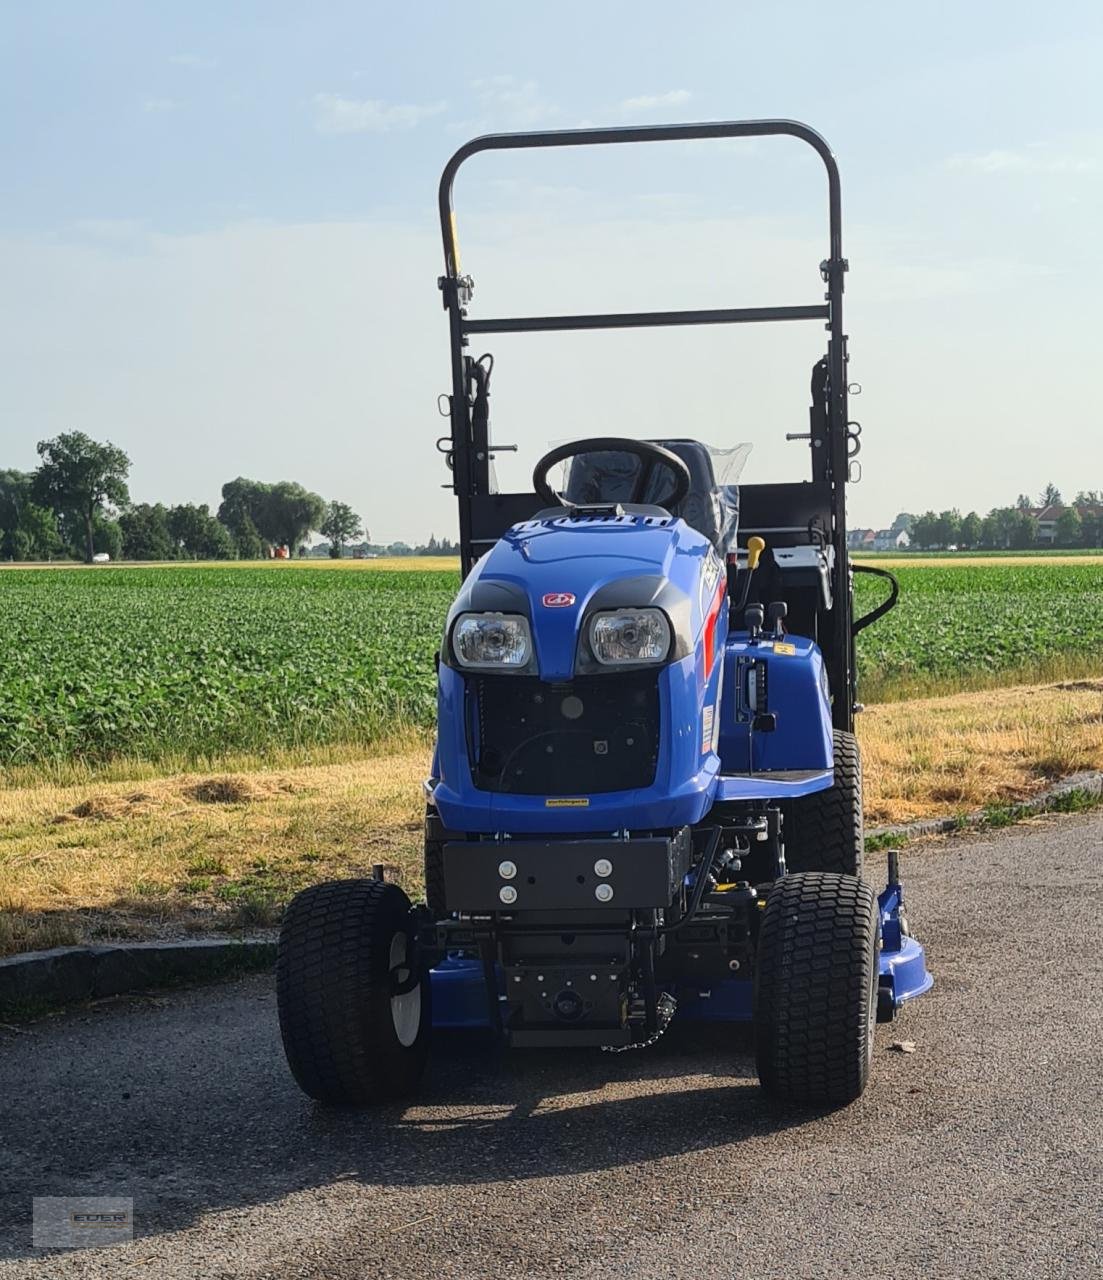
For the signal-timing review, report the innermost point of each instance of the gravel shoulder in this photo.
(978, 1155)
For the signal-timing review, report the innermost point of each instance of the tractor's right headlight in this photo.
(492, 641)
(630, 637)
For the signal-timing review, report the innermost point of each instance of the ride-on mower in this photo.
(646, 796)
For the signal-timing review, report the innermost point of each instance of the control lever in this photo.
(753, 619)
(755, 548)
(777, 613)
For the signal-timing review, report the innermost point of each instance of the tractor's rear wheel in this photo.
(354, 1011)
(816, 988)
(824, 831)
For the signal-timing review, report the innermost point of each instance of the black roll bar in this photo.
(471, 455)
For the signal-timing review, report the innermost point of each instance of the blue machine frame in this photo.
(715, 748)
(704, 758)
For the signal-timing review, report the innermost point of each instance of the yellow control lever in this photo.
(755, 547)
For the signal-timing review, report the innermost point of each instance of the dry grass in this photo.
(224, 851)
(936, 756)
(193, 853)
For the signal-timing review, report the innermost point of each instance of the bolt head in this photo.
(508, 894)
(604, 893)
(507, 870)
(603, 867)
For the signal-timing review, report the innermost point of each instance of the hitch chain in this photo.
(664, 1012)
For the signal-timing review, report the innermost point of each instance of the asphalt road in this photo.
(978, 1155)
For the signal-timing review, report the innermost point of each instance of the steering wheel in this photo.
(650, 456)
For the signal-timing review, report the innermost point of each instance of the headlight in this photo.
(492, 640)
(630, 637)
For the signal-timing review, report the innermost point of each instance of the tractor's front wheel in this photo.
(816, 988)
(354, 1008)
(824, 831)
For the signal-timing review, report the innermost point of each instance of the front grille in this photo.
(595, 734)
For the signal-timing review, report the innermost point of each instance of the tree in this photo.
(340, 525)
(27, 530)
(81, 477)
(903, 523)
(197, 533)
(969, 535)
(15, 493)
(1069, 528)
(146, 534)
(107, 538)
(289, 513)
(1025, 531)
(947, 528)
(924, 532)
(282, 513)
(1023, 503)
(1051, 496)
(38, 528)
(999, 526)
(1092, 535)
(242, 501)
(1089, 498)
(989, 531)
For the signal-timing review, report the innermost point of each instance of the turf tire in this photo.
(824, 831)
(815, 996)
(349, 1039)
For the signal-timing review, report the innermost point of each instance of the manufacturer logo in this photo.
(558, 599)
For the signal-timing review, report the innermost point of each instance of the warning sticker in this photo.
(788, 649)
(563, 802)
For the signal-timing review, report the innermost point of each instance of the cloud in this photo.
(1035, 159)
(158, 106)
(654, 101)
(193, 62)
(513, 102)
(335, 114)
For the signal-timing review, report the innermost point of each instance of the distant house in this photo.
(1047, 518)
(861, 539)
(891, 540)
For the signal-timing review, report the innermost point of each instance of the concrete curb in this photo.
(37, 980)
(1087, 784)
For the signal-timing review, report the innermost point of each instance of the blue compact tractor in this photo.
(645, 802)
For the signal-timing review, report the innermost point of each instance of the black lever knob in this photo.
(777, 612)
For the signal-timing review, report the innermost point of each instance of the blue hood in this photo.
(551, 569)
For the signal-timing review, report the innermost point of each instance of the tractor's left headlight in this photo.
(492, 641)
(630, 637)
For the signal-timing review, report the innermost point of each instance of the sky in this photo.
(219, 248)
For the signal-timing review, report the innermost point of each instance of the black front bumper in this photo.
(644, 873)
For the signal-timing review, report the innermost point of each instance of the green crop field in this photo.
(961, 626)
(200, 662)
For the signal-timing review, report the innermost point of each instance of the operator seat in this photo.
(611, 476)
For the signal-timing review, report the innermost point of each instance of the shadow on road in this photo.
(191, 1114)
